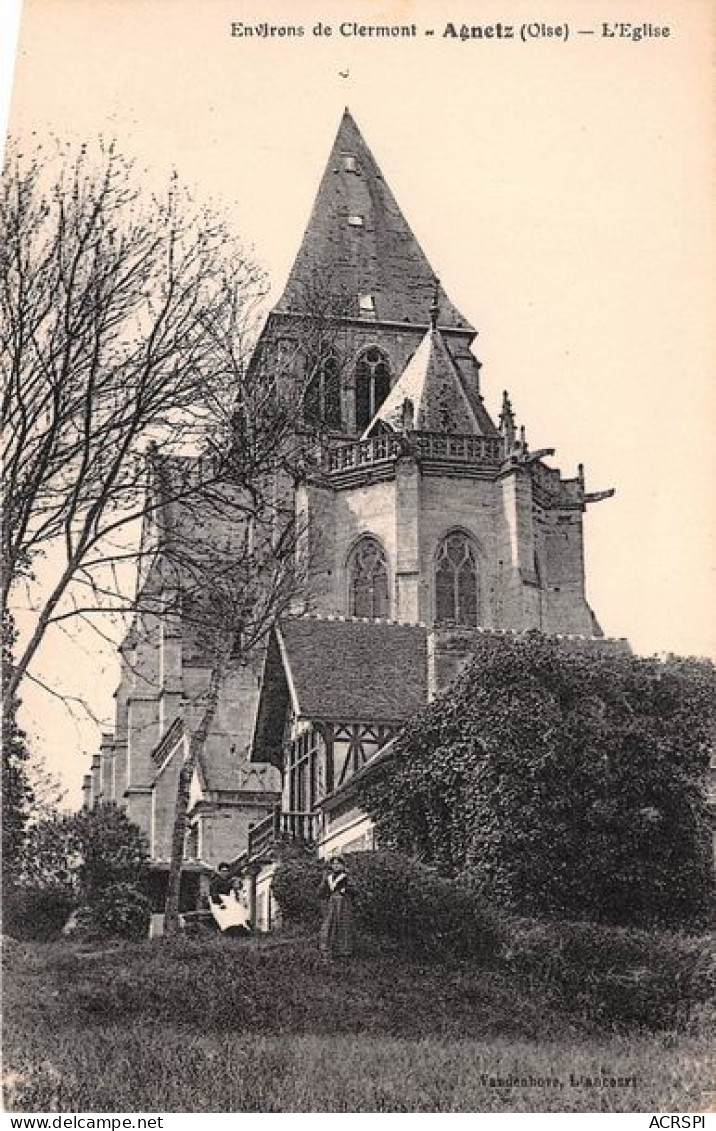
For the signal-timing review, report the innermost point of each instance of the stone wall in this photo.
(531, 557)
(224, 826)
(450, 649)
(449, 503)
(163, 803)
(560, 554)
(338, 520)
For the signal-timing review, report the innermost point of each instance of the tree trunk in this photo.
(19, 669)
(196, 745)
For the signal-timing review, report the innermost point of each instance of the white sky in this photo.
(562, 192)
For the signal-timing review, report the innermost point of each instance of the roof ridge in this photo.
(349, 619)
(486, 630)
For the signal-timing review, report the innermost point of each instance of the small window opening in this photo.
(372, 385)
(456, 581)
(322, 399)
(368, 581)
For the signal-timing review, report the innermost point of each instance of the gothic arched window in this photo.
(368, 580)
(372, 385)
(456, 580)
(322, 399)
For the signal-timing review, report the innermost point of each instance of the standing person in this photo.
(337, 933)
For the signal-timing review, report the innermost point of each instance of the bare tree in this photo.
(110, 299)
(134, 408)
(229, 590)
(228, 600)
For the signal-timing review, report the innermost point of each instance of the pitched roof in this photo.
(220, 766)
(356, 669)
(341, 671)
(359, 239)
(222, 771)
(432, 384)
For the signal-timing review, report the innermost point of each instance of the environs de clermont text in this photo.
(461, 33)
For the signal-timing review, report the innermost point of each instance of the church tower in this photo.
(426, 511)
(359, 252)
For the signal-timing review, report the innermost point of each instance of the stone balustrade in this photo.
(469, 450)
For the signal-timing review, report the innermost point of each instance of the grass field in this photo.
(261, 1025)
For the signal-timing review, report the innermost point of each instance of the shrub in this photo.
(86, 852)
(295, 886)
(614, 974)
(120, 911)
(112, 851)
(37, 914)
(398, 899)
(571, 783)
(401, 899)
(100, 861)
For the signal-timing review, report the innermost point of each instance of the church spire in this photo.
(358, 241)
(429, 393)
(507, 422)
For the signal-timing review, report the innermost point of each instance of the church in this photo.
(431, 521)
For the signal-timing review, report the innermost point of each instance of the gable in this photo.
(339, 670)
(431, 386)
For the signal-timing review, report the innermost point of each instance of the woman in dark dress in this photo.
(337, 934)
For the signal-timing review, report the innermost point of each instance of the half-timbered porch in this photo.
(318, 765)
(334, 692)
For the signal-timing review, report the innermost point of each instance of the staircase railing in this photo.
(281, 825)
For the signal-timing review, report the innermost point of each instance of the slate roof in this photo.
(356, 669)
(340, 671)
(379, 257)
(432, 384)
